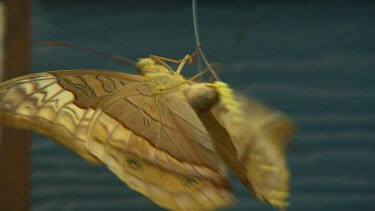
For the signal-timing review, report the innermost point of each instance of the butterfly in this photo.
(155, 131)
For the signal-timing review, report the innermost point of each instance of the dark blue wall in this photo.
(311, 59)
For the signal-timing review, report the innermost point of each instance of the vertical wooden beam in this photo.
(14, 180)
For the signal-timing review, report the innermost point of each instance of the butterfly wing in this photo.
(226, 148)
(59, 104)
(202, 97)
(261, 139)
(157, 145)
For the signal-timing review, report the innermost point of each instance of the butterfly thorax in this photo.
(201, 96)
(164, 78)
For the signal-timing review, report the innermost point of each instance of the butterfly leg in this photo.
(189, 57)
(217, 70)
(189, 79)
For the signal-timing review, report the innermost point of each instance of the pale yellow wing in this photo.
(155, 142)
(261, 138)
(59, 104)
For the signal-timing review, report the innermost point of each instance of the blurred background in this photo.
(313, 60)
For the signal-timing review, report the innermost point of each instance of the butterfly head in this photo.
(148, 66)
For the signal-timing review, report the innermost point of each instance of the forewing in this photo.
(261, 138)
(58, 104)
(226, 148)
(147, 139)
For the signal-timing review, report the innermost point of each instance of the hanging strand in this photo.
(197, 40)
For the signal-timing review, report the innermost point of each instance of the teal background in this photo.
(311, 59)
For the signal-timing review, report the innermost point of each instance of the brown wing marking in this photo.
(90, 87)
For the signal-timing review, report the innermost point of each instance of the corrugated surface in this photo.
(313, 60)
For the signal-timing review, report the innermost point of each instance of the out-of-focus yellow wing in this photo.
(261, 135)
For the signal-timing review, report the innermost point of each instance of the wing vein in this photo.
(192, 165)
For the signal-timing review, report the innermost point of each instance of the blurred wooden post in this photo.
(14, 144)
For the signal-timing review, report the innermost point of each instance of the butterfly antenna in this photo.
(197, 40)
(114, 57)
